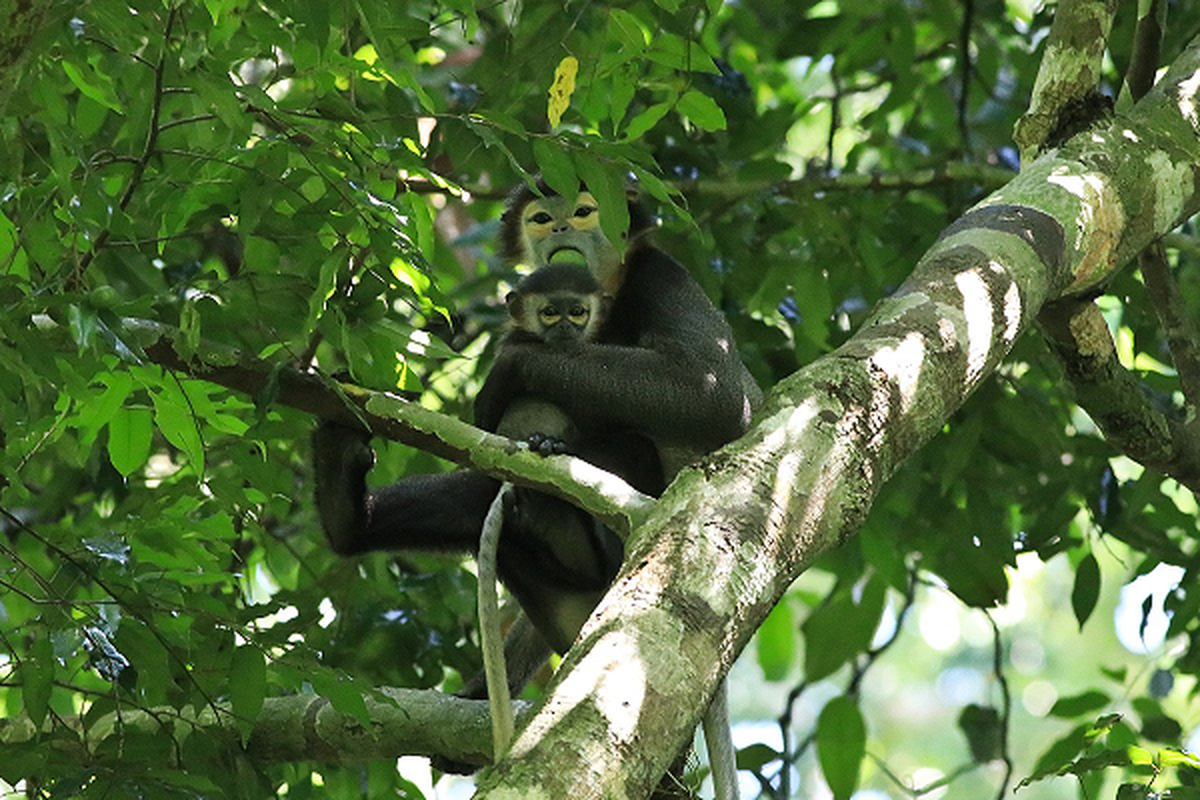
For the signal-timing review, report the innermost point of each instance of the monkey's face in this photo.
(555, 230)
(564, 318)
(557, 317)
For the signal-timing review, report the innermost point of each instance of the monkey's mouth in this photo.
(568, 255)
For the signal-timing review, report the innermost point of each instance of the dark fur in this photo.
(661, 385)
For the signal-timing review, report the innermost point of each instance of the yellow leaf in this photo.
(562, 89)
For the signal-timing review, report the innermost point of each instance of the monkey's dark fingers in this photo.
(545, 445)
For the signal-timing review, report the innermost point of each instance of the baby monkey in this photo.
(559, 305)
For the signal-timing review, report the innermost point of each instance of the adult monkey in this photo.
(664, 363)
(663, 366)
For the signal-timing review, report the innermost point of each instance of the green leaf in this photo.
(756, 756)
(37, 678)
(841, 745)
(422, 218)
(261, 255)
(608, 188)
(841, 628)
(247, 687)
(672, 50)
(1086, 703)
(93, 84)
(1171, 757)
(556, 166)
(1059, 755)
(646, 120)
(702, 110)
(13, 260)
(775, 642)
(129, 434)
(625, 28)
(1086, 591)
(174, 418)
(984, 731)
(623, 86)
(504, 122)
(342, 693)
(1059, 758)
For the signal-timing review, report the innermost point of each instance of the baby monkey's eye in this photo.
(585, 211)
(541, 218)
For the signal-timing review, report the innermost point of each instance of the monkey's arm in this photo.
(665, 395)
(665, 365)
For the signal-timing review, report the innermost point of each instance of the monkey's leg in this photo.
(525, 652)
(444, 511)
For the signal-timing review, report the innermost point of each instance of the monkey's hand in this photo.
(546, 445)
(342, 457)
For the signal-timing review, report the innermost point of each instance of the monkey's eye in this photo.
(578, 314)
(549, 315)
(584, 212)
(540, 218)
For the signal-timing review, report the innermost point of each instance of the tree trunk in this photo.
(731, 534)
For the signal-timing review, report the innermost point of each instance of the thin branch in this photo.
(176, 123)
(1177, 325)
(139, 167)
(1070, 71)
(965, 70)
(1147, 49)
(1006, 699)
(137, 610)
(1115, 400)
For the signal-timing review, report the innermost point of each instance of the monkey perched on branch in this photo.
(655, 385)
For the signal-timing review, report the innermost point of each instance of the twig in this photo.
(75, 282)
(964, 66)
(1177, 325)
(1006, 704)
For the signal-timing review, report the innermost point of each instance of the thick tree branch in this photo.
(1069, 73)
(1080, 340)
(600, 493)
(985, 175)
(729, 536)
(304, 727)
